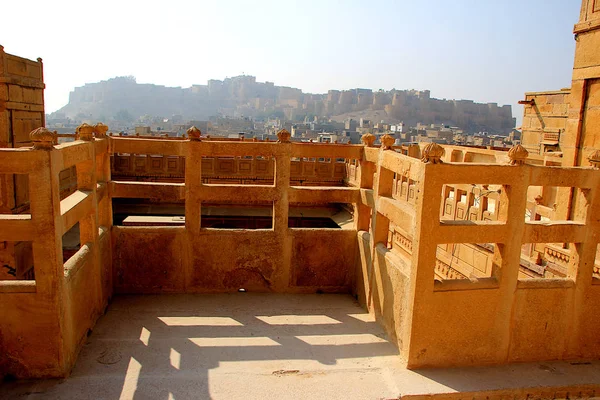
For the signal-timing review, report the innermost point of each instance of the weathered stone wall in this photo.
(21, 111)
(44, 321)
(169, 260)
(545, 121)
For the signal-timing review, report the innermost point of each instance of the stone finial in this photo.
(85, 132)
(43, 138)
(368, 139)
(387, 141)
(517, 155)
(283, 136)
(194, 133)
(594, 159)
(433, 153)
(100, 130)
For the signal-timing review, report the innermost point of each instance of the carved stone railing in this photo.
(227, 169)
(399, 204)
(413, 242)
(61, 299)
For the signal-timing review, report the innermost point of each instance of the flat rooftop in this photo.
(266, 346)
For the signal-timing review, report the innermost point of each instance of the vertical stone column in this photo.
(88, 226)
(45, 215)
(366, 171)
(86, 181)
(507, 256)
(105, 213)
(193, 181)
(103, 175)
(44, 194)
(581, 268)
(383, 184)
(427, 208)
(281, 206)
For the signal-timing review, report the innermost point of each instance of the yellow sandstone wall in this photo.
(169, 260)
(583, 123)
(545, 121)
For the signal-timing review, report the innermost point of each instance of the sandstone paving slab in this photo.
(263, 346)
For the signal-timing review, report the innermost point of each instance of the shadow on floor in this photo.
(228, 346)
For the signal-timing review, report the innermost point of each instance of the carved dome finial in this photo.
(368, 139)
(283, 136)
(433, 153)
(85, 132)
(194, 133)
(594, 159)
(100, 130)
(517, 155)
(42, 138)
(387, 141)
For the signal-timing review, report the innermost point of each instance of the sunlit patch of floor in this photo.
(259, 346)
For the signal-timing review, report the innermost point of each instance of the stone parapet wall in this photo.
(545, 121)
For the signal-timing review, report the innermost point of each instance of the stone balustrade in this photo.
(465, 320)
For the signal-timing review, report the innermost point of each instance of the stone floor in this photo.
(263, 346)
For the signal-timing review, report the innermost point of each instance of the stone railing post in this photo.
(86, 181)
(88, 225)
(44, 197)
(383, 185)
(193, 180)
(103, 175)
(281, 206)
(583, 258)
(366, 171)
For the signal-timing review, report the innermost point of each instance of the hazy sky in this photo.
(487, 51)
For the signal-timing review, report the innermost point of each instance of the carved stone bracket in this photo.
(43, 139)
(85, 132)
(194, 133)
(368, 139)
(517, 155)
(433, 153)
(387, 141)
(594, 159)
(283, 136)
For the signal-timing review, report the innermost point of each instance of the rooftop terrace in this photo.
(250, 345)
(434, 253)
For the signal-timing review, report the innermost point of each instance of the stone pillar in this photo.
(581, 268)
(88, 226)
(427, 208)
(105, 213)
(506, 261)
(366, 172)
(193, 181)
(44, 197)
(281, 206)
